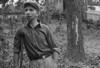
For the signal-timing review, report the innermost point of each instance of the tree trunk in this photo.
(75, 50)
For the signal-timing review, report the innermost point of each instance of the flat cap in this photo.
(35, 5)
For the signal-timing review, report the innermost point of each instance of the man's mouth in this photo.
(28, 16)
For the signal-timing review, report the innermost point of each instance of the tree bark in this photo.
(75, 49)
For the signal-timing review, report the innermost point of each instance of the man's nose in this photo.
(28, 13)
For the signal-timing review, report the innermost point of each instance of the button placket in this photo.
(33, 35)
(34, 39)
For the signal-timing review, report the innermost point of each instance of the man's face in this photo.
(30, 13)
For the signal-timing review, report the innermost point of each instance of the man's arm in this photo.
(53, 45)
(55, 56)
(17, 48)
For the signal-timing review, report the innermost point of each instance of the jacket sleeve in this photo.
(54, 45)
(17, 41)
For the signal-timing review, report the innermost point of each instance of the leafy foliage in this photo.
(6, 41)
(3, 2)
(19, 6)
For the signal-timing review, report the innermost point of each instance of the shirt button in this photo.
(34, 43)
(33, 36)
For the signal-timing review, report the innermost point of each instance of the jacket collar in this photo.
(37, 25)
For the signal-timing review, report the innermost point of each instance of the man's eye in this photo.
(26, 9)
(31, 9)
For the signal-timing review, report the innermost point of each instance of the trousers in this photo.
(43, 63)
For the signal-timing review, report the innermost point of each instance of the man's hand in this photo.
(55, 56)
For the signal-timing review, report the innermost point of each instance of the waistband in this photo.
(41, 57)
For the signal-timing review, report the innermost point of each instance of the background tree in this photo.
(45, 15)
(75, 50)
(19, 5)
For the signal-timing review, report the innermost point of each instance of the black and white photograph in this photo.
(49, 33)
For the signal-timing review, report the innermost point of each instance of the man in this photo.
(40, 45)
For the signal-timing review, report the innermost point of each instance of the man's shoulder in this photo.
(44, 26)
(21, 28)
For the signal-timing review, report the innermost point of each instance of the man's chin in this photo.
(29, 19)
